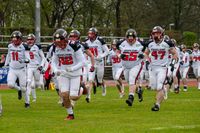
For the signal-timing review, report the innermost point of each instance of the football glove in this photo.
(92, 69)
(141, 56)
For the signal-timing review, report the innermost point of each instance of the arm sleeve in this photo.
(48, 56)
(106, 51)
(80, 57)
(54, 63)
(7, 61)
(42, 57)
(109, 58)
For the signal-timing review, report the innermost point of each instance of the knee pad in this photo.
(66, 100)
(11, 85)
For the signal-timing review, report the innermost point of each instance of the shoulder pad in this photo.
(119, 43)
(101, 40)
(49, 46)
(169, 42)
(85, 45)
(76, 46)
(26, 46)
(39, 46)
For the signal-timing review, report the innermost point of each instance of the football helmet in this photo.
(173, 41)
(113, 44)
(195, 45)
(60, 38)
(92, 33)
(157, 34)
(131, 35)
(16, 38)
(74, 35)
(30, 39)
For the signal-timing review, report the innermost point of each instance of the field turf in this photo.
(109, 114)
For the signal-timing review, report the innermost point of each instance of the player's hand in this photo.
(172, 67)
(122, 56)
(182, 62)
(141, 56)
(99, 58)
(147, 65)
(43, 71)
(92, 69)
(40, 68)
(26, 61)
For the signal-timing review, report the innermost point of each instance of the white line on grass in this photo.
(175, 127)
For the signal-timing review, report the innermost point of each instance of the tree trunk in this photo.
(118, 18)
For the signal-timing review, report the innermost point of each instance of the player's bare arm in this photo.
(88, 52)
(174, 53)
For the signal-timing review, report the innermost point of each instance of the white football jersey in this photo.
(185, 57)
(114, 59)
(16, 56)
(35, 55)
(72, 56)
(98, 48)
(196, 58)
(131, 51)
(159, 53)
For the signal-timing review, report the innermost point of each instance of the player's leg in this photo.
(11, 80)
(198, 77)
(185, 73)
(100, 74)
(91, 81)
(134, 74)
(22, 76)
(175, 78)
(64, 84)
(161, 77)
(117, 77)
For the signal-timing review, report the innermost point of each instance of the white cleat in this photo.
(34, 100)
(184, 90)
(104, 91)
(121, 95)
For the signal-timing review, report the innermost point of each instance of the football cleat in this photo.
(27, 105)
(140, 92)
(34, 100)
(130, 100)
(87, 99)
(176, 90)
(104, 91)
(155, 108)
(121, 95)
(69, 117)
(19, 94)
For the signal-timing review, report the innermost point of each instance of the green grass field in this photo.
(109, 114)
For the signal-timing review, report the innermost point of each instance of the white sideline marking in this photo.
(176, 127)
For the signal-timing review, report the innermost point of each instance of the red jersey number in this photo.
(65, 60)
(130, 56)
(196, 58)
(116, 59)
(94, 51)
(15, 56)
(157, 54)
(31, 55)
